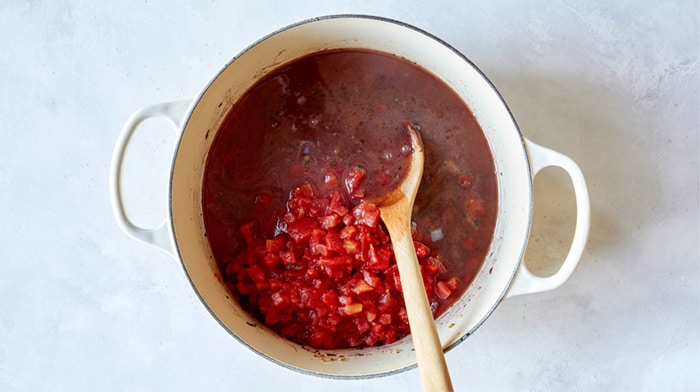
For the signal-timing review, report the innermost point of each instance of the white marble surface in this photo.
(614, 85)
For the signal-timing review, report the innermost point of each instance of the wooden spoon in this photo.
(395, 210)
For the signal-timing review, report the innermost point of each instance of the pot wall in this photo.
(209, 110)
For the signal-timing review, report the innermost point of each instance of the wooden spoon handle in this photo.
(431, 360)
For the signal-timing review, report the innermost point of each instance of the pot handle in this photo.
(175, 113)
(525, 282)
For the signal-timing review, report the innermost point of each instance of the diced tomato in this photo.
(330, 221)
(328, 321)
(299, 206)
(335, 260)
(336, 267)
(318, 208)
(359, 194)
(317, 242)
(349, 232)
(336, 206)
(443, 290)
(330, 298)
(422, 250)
(271, 259)
(330, 180)
(393, 278)
(379, 258)
(308, 298)
(371, 279)
(278, 299)
(301, 229)
(334, 242)
(319, 249)
(271, 317)
(352, 247)
(353, 179)
(317, 339)
(348, 220)
(275, 245)
(387, 302)
(256, 273)
(365, 240)
(361, 323)
(366, 214)
(433, 265)
(453, 282)
(289, 217)
(311, 274)
(245, 288)
(303, 190)
(275, 284)
(250, 231)
(385, 319)
(466, 180)
(288, 257)
(403, 316)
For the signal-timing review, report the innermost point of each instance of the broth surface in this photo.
(331, 128)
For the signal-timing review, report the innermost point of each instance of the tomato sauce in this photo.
(285, 186)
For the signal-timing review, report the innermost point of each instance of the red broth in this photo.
(284, 186)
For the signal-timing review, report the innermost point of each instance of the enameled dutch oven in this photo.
(517, 161)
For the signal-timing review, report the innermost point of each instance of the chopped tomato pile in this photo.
(328, 277)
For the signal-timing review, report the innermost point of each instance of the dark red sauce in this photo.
(285, 182)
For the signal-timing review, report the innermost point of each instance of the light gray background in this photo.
(612, 84)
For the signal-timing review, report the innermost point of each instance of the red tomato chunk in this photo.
(329, 279)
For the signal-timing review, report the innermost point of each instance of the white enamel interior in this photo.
(514, 187)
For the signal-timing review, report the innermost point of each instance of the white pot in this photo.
(517, 161)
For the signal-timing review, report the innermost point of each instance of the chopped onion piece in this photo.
(436, 235)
